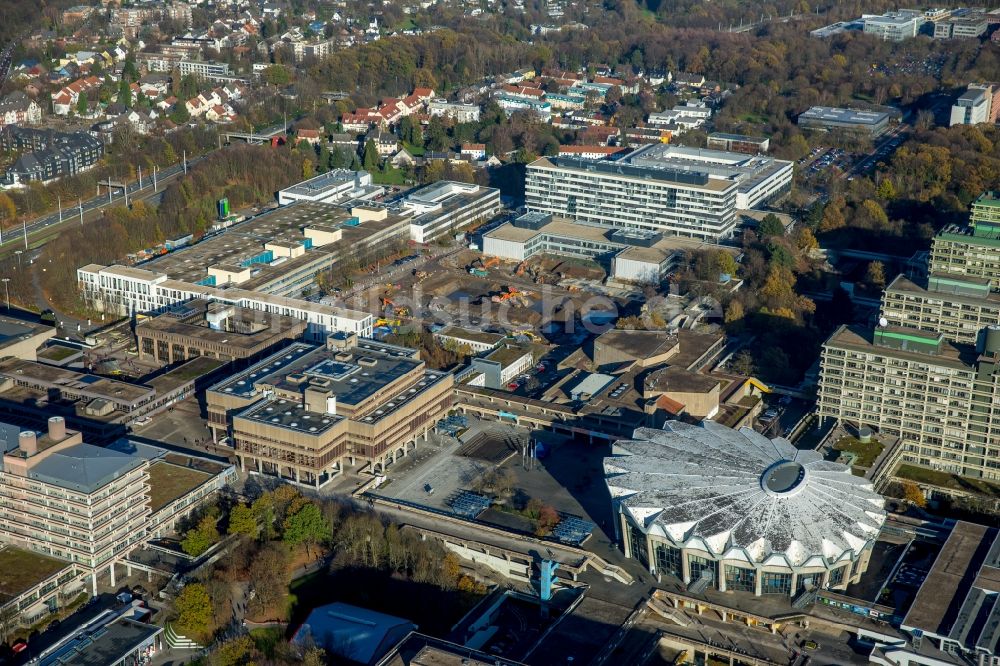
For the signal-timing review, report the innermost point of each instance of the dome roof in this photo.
(739, 494)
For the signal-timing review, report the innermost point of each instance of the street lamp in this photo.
(6, 293)
(18, 253)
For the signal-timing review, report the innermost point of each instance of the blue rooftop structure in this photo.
(358, 634)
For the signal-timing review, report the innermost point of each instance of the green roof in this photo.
(21, 570)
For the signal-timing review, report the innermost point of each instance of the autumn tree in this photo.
(194, 611)
(875, 275)
(306, 526)
(913, 494)
(242, 520)
(201, 537)
(8, 211)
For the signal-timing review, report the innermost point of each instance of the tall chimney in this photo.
(57, 428)
(28, 443)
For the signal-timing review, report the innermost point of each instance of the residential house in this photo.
(474, 151)
(19, 109)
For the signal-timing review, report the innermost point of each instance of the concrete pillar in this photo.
(721, 582)
(757, 582)
(724, 616)
(111, 569)
(426, 437)
(316, 477)
(298, 477)
(149, 576)
(128, 570)
(93, 584)
(685, 568)
(625, 535)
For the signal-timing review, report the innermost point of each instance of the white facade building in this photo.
(446, 206)
(972, 107)
(738, 512)
(682, 202)
(123, 291)
(332, 187)
(462, 113)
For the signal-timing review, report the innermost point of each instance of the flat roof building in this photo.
(894, 26)
(305, 412)
(938, 397)
(955, 610)
(100, 407)
(265, 264)
(683, 202)
(738, 143)
(21, 339)
(972, 107)
(55, 474)
(476, 341)
(632, 255)
(501, 365)
(201, 328)
(973, 250)
(678, 190)
(335, 186)
(958, 308)
(738, 512)
(759, 179)
(446, 206)
(33, 585)
(872, 123)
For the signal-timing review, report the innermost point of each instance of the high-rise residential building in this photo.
(972, 250)
(940, 398)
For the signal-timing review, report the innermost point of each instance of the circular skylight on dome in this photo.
(730, 489)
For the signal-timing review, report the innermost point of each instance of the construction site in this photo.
(465, 286)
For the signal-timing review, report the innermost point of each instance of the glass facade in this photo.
(637, 539)
(668, 559)
(740, 579)
(698, 564)
(837, 576)
(776, 583)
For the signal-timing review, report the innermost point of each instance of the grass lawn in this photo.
(267, 638)
(167, 482)
(947, 480)
(22, 569)
(416, 151)
(755, 118)
(392, 176)
(867, 453)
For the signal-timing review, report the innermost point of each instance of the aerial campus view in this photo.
(503, 333)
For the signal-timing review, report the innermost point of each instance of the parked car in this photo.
(19, 646)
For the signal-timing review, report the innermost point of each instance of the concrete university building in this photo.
(940, 398)
(736, 511)
(306, 411)
(668, 189)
